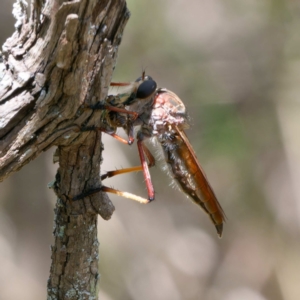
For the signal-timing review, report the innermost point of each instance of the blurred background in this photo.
(236, 66)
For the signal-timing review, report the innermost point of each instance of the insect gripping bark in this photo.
(159, 113)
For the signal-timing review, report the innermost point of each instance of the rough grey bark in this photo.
(58, 59)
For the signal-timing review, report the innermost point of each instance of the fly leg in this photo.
(145, 155)
(110, 174)
(147, 161)
(115, 191)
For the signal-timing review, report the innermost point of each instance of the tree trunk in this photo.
(60, 58)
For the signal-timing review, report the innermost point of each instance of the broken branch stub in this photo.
(52, 64)
(49, 71)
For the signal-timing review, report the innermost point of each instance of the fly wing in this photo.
(190, 176)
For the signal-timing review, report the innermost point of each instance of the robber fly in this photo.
(161, 114)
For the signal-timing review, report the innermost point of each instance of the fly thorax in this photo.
(165, 113)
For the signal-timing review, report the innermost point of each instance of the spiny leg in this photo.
(143, 153)
(115, 191)
(125, 194)
(151, 163)
(110, 174)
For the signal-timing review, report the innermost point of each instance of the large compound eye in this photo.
(144, 78)
(146, 88)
